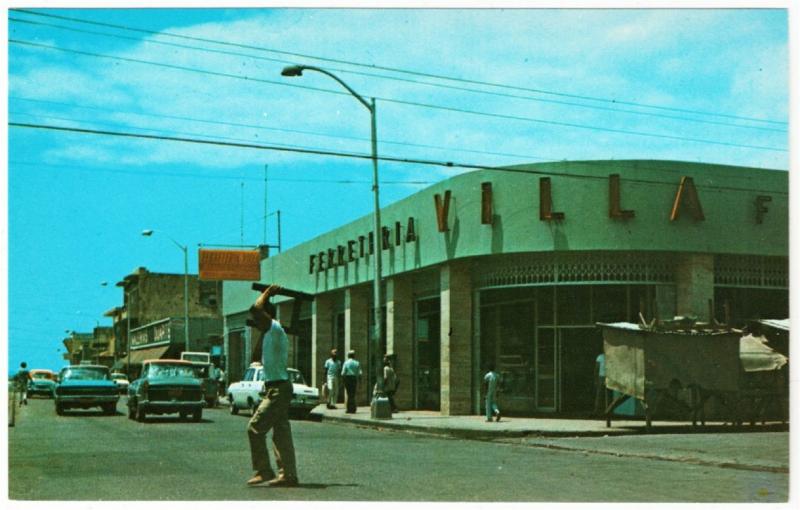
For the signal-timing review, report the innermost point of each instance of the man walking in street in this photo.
(333, 369)
(490, 382)
(23, 377)
(351, 371)
(272, 348)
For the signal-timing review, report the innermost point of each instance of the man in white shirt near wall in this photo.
(271, 346)
(333, 368)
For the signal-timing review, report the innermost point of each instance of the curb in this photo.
(461, 433)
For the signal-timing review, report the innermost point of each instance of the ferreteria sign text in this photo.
(362, 246)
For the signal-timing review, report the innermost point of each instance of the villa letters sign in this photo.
(360, 247)
(230, 265)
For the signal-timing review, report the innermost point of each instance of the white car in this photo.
(245, 394)
(121, 380)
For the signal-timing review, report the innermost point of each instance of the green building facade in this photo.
(513, 266)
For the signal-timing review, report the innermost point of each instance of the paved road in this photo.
(88, 456)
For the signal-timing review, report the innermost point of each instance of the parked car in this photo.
(121, 380)
(167, 387)
(42, 382)
(246, 394)
(209, 373)
(86, 386)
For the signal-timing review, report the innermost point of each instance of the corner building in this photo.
(514, 266)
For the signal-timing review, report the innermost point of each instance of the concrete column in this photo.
(321, 334)
(456, 334)
(399, 335)
(694, 284)
(356, 311)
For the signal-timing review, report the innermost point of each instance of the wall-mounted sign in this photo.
(365, 245)
(230, 265)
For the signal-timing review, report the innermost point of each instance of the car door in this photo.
(242, 389)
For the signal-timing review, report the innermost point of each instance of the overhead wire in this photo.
(408, 103)
(447, 164)
(284, 130)
(406, 80)
(400, 70)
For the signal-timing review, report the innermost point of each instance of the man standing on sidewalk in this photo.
(351, 371)
(490, 383)
(272, 348)
(333, 369)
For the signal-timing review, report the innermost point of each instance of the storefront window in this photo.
(574, 305)
(610, 303)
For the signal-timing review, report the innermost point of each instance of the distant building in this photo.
(513, 267)
(95, 347)
(151, 319)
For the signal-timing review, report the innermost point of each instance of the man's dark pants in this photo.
(350, 385)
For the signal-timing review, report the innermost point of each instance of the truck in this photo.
(202, 360)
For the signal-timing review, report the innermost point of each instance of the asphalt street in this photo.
(85, 455)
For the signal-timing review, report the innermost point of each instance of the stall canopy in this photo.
(140, 355)
(757, 356)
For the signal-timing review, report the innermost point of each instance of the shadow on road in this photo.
(307, 486)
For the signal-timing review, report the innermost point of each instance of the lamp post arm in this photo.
(343, 84)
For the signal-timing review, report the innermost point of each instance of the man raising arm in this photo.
(271, 347)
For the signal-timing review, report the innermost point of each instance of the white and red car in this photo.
(246, 394)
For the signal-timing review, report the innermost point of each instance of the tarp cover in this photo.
(140, 355)
(757, 356)
(638, 360)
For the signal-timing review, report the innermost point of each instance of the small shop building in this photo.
(513, 267)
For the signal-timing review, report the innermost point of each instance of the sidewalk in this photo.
(476, 427)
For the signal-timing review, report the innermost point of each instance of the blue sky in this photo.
(708, 85)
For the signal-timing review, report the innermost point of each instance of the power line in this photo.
(409, 103)
(406, 80)
(284, 130)
(403, 71)
(448, 164)
(193, 175)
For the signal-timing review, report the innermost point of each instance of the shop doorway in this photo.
(546, 369)
(578, 350)
(427, 347)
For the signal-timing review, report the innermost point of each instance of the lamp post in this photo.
(376, 227)
(185, 249)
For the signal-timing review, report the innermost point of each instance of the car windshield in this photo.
(296, 377)
(163, 370)
(118, 376)
(41, 375)
(85, 373)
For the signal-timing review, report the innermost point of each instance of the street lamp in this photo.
(185, 249)
(292, 71)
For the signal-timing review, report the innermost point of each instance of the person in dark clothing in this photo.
(22, 378)
(351, 372)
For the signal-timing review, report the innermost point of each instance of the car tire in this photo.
(131, 411)
(232, 405)
(197, 415)
(252, 405)
(183, 415)
(141, 414)
(110, 409)
(59, 409)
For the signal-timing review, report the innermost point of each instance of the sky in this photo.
(474, 87)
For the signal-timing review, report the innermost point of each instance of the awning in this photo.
(776, 323)
(140, 355)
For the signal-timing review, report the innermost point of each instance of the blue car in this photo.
(85, 386)
(42, 382)
(166, 387)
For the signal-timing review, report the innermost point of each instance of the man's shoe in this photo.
(258, 479)
(283, 482)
